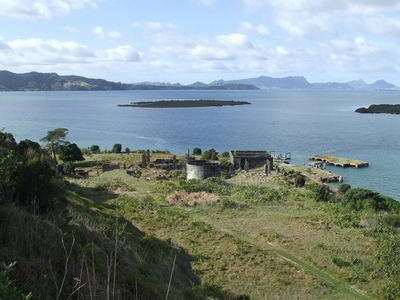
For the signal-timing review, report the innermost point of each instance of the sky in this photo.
(203, 40)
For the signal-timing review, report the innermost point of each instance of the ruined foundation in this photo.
(202, 169)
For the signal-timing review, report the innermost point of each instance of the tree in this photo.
(9, 160)
(54, 139)
(197, 151)
(25, 145)
(94, 149)
(35, 179)
(70, 152)
(117, 148)
(225, 154)
(127, 150)
(208, 154)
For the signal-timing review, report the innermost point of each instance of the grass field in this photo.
(248, 237)
(264, 238)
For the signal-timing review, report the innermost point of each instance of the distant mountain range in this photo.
(299, 82)
(35, 81)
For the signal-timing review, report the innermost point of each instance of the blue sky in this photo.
(203, 40)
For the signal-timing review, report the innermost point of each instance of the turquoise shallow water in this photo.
(301, 122)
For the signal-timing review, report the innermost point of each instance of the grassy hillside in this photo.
(121, 236)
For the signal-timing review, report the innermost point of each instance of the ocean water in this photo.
(301, 122)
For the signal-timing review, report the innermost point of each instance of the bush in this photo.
(69, 167)
(320, 192)
(360, 198)
(8, 288)
(212, 185)
(343, 188)
(225, 163)
(299, 181)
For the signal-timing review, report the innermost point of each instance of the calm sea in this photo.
(300, 122)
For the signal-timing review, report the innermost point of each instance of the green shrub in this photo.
(226, 163)
(8, 288)
(227, 203)
(258, 193)
(225, 154)
(343, 188)
(299, 181)
(69, 167)
(214, 185)
(340, 262)
(320, 192)
(360, 198)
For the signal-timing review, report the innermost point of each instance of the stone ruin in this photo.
(245, 160)
(106, 167)
(202, 169)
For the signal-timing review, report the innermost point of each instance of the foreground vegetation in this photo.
(116, 235)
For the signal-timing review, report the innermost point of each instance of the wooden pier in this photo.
(339, 161)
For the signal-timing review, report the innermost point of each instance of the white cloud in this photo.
(71, 29)
(304, 24)
(41, 9)
(39, 52)
(312, 19)
(212, 53)
(281, 51)
(205, 2)
(323, 5)
(365, 47)
(235, 41)
(154, 25)
(122, 54)
(111, 36)
(382, 25)
(249, 28)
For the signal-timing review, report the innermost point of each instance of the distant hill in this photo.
(377, 85)
(291, 82)
(35, 81)
(332, 85)
(299, 82)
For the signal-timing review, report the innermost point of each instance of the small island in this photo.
(380, 109)
(183, 103)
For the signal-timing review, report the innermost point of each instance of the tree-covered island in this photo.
(184, 103)
(380, 109)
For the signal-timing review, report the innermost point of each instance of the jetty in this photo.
(339, 161)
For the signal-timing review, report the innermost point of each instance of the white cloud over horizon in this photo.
(327, 40)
